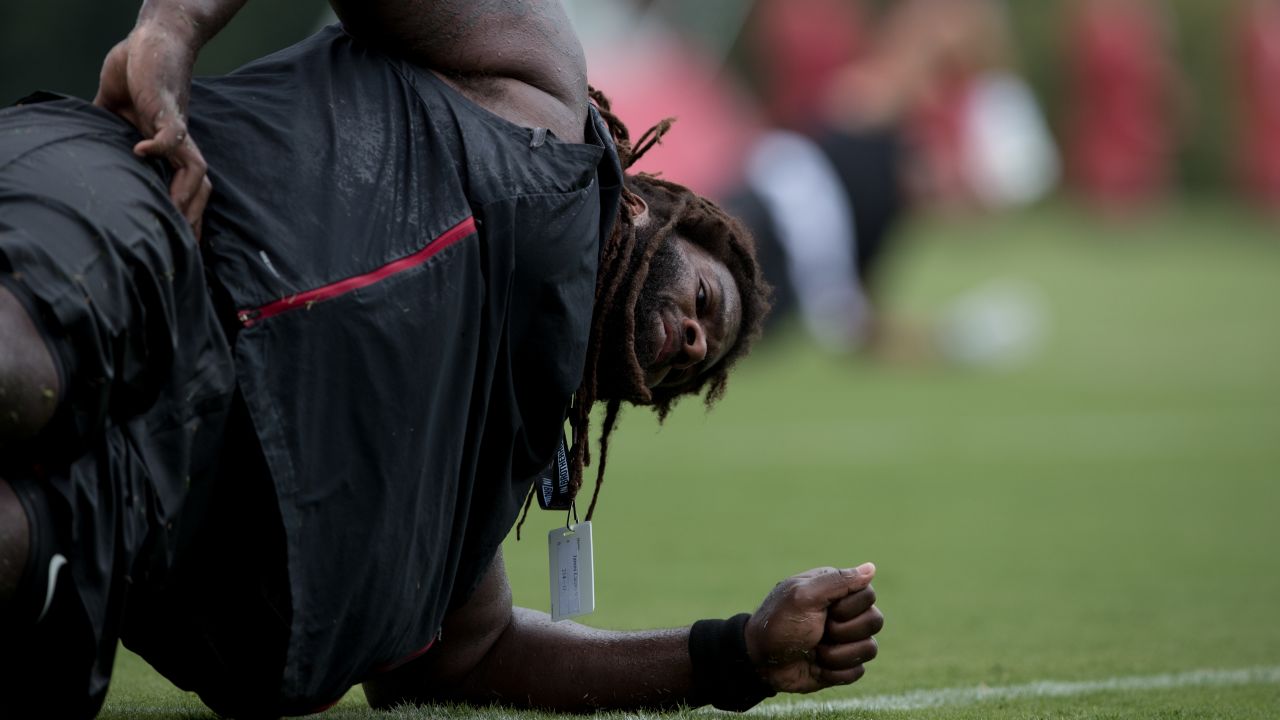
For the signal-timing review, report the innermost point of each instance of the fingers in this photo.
(852, 605)
(190, 187)
(819, 588)
(841, 677)
(864, 626)
(169, 138)
(847, 655)
(145, 79)
(197, 207)
(194, 210)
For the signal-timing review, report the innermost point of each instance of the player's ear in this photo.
(638, 208)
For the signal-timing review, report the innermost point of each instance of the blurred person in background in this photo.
(1256, 45)
(977, 128)
(1123, 103)
(918, 105)
(791, 194)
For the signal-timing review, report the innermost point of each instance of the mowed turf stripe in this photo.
(924, 699)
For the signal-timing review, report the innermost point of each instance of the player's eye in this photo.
(702, 297)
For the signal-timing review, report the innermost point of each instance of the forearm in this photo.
(195, 20)
(570, 667)
(532, 662)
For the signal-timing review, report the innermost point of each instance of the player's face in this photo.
(688, 315)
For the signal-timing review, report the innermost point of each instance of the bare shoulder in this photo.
(519, 59)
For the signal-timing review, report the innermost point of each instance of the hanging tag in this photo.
(553, 482)
(573, 582)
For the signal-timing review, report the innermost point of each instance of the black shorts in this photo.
(869, 163)
(112, 276)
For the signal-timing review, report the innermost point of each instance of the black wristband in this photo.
(723, 674)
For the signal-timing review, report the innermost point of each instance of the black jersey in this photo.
(410, 281)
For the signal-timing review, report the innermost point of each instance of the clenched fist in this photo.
(816, 629)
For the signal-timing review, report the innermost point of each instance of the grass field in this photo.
(1095, 533)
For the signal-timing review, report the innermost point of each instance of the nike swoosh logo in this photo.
(55, 564)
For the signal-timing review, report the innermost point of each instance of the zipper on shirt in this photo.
(249, 317)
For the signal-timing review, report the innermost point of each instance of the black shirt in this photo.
(412, 278)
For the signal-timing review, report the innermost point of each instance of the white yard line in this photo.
(922, 699)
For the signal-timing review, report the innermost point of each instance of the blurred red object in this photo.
(1257, 43)
(1122, 97)
(938, 128)
(800, 47)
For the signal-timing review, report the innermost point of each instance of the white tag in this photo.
(573, 578)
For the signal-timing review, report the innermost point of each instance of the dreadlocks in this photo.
(624, 265)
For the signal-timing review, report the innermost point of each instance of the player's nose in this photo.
(694, 344)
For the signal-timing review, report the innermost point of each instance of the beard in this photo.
(621, 371)
(664, 269)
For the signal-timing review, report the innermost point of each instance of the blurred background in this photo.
(1027, 350)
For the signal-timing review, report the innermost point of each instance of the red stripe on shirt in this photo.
(327, 292)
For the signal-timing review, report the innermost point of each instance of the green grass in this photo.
(1111, 508)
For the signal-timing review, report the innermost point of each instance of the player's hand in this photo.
(146, 79)
(816, 629)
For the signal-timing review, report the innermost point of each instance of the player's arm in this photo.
(813, 631)
(146, 78)
(521, 57)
